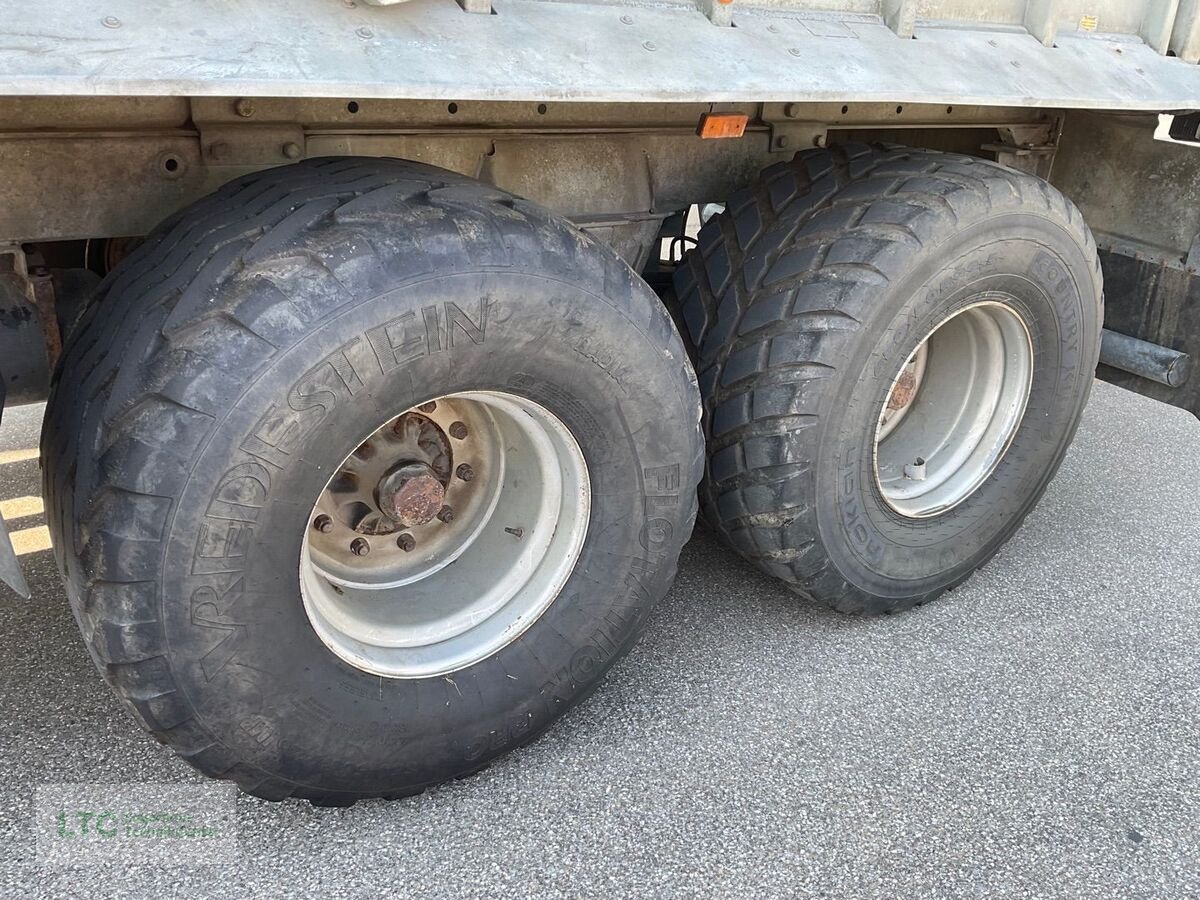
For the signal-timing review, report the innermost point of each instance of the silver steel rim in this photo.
(445, 534)
(953, 409)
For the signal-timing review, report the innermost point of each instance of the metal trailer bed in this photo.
(1098, 54)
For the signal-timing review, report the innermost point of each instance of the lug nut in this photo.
(446, 514)
(360, 547)
(427, 407)
(323, 524)
(465, 472)
(406, 542)
(458, 431)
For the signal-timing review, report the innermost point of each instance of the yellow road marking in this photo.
(20, 507)
(13, 456)
(31, 540)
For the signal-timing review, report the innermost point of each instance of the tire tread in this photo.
(169, 342)
(773, 289)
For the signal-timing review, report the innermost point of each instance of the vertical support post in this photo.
(1041, 20)
(1158, 23)
(719, 12)
(900, 15)
(1185, 37)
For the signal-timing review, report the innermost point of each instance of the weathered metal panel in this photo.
(81, 187)
(1155, 302)
(532, 50)
(51, 181)
(1135, 192)
(118, 165)
(1141, 196)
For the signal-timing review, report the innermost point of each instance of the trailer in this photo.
(390, 349)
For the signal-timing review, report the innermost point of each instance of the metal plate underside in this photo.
(537, 50)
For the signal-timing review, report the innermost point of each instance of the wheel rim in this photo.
(953, 409)
(445, 534)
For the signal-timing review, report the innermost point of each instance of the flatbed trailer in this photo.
(390, 348)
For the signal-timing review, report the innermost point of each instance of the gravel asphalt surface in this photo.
(1034, 734)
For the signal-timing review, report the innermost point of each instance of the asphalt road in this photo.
(1034, 734)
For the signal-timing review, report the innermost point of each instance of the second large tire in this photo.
(809, 298)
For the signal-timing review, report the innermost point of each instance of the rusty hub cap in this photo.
(410, 494)
(904, 391)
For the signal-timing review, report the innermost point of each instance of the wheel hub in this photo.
(395, 494)
(953, 409)
(411, 494)
(487, 481)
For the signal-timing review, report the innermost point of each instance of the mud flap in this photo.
(10, 569)
(1158, 302)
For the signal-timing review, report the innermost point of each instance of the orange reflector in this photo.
(722, 125)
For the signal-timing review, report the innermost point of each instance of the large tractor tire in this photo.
(894, 349)
(361, 473)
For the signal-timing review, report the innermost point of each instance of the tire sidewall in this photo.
(1042, 272)
(243, 650)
